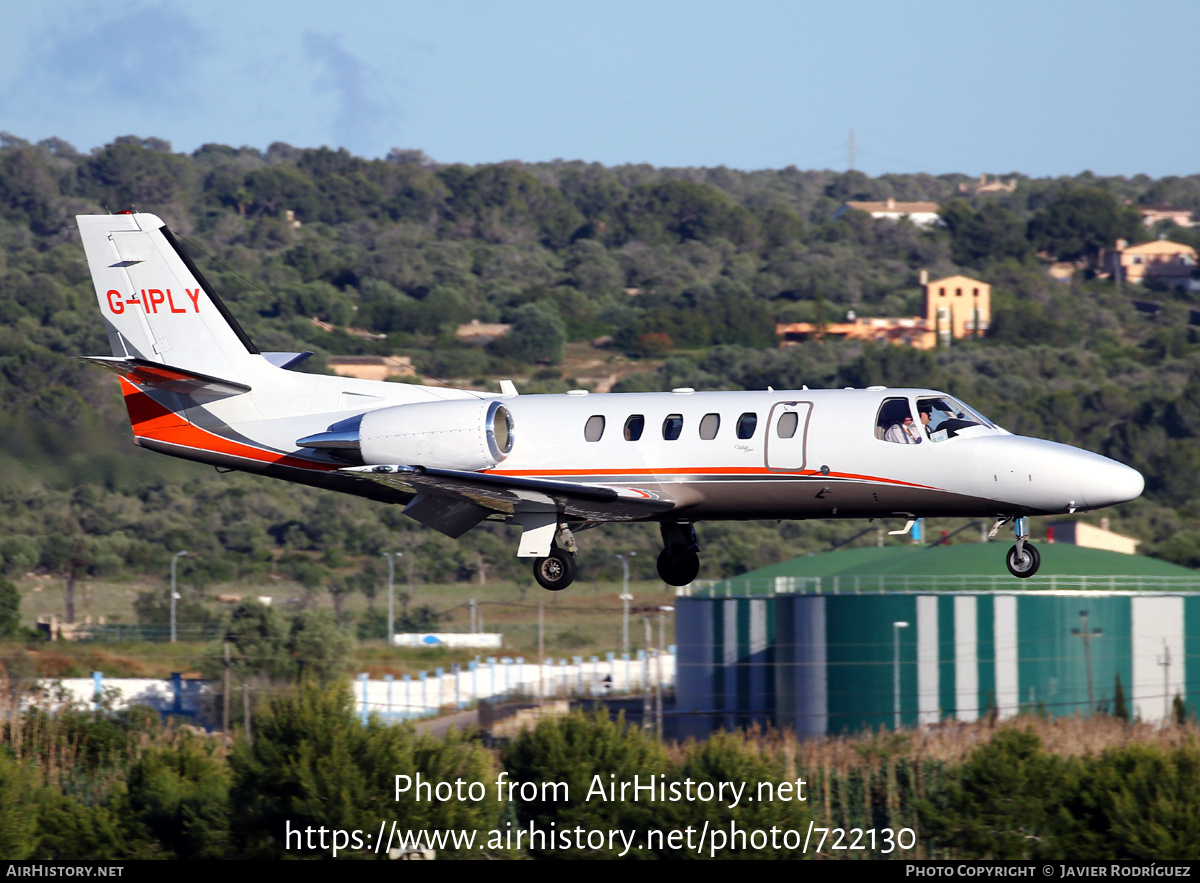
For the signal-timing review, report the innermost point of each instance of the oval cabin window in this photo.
(634, 426)
(672, 426)
(709, 426)
(747, 423)
(786, 427)
(594, 428)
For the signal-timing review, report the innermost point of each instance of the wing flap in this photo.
(511, 495)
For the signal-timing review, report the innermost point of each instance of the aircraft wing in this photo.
(454, 501)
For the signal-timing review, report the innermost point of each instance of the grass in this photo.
(584, 620)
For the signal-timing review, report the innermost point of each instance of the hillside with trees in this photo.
(691, 266)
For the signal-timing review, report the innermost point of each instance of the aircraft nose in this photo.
(1107, 483)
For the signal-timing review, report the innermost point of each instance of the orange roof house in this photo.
(1159, 261)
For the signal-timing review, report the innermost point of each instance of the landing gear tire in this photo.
(678, 569)
(1024, 564)
(556, 571)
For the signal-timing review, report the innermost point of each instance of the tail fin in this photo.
(156, 305)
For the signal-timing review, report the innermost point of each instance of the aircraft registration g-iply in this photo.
(196, 387)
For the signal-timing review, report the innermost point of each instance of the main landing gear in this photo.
(1023, 559)
(556, 571)
(679, 561)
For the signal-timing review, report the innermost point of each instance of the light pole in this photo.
(662, 647)
(174, 594)
(1087, 636)
(391, 593)
(626, 598)
(896, 626)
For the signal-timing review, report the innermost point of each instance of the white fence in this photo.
(394, 699)
(429, 694)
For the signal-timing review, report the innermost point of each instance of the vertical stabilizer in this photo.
(156, 304)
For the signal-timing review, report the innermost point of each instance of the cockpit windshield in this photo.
(938, 418)
(944, 417)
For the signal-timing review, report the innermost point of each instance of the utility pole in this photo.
(1087, 636)
(391, 628)
(246, 710)
(662, 646)
(541, 650)
(896, 626)
(626, 598)
(647, 689)
(174, 594)
(1165, 662)
(225, 690)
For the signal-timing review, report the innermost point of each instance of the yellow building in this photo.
(1080, 533)
(372, 367)
(1159, 261)
(957, 307)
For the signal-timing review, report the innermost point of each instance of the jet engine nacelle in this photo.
(468, 435)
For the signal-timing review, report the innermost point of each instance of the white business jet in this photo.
(196, 387)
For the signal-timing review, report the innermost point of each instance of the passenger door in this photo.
(786, 441)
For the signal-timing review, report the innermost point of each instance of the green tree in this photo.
(314, 765)
(729, 757)
(537, 335)
(178, 796)
(579, 752)
(1120, 706)
(993, 233)
(10, 609)
(1006, 803)
(1080, 221)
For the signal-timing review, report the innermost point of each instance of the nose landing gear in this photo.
(1023, 558)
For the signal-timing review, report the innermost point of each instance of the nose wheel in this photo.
(556, 571)
(1023, 560)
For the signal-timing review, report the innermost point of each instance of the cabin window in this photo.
(634, 426)
(746, 425)
(672, 426)
(594, 428)
(895, 423)
(786, 427)
(709, 426)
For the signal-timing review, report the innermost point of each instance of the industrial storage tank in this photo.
(821, 655)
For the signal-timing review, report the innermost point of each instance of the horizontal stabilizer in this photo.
(188, 383)
(287, 360)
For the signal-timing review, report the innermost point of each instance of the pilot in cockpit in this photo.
(896, 416)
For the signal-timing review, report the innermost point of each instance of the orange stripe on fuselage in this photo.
(700, 471)
(153, 421)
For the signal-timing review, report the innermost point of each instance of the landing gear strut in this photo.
(1023, 558)
(679, 561)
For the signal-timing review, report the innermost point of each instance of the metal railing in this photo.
(883, 583)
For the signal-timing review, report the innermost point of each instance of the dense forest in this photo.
(692, 267)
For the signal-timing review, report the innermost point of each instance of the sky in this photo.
(938, 86)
